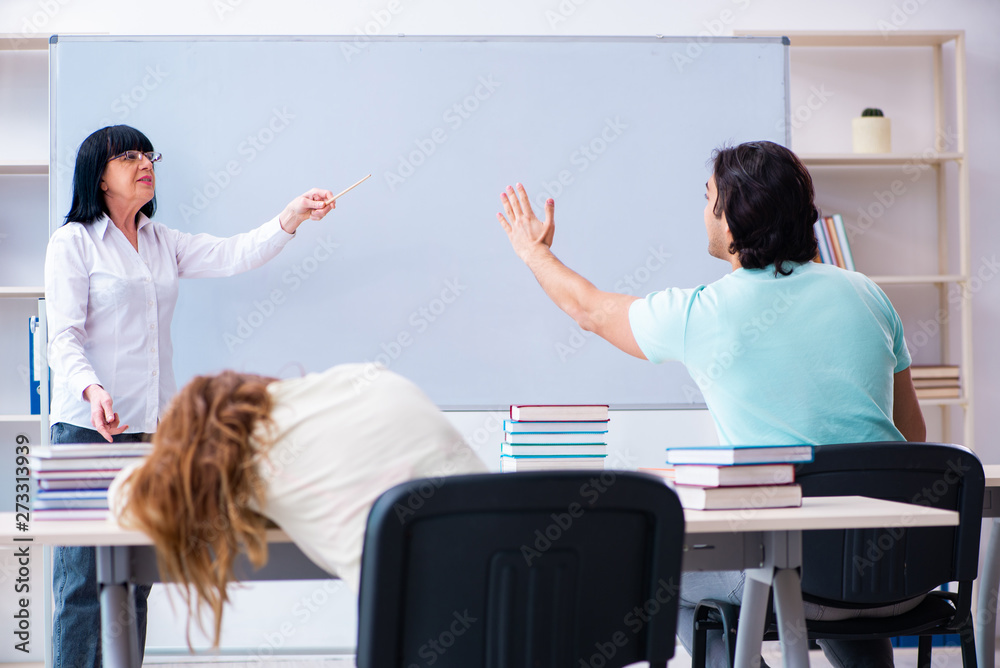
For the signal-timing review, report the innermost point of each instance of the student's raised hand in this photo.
(102, 413)
(311, 205)
(525, 231)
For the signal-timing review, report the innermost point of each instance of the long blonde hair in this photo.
(193, 495)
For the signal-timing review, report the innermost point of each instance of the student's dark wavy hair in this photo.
(767, 195)
(95, 151)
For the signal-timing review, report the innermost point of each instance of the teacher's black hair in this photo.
(95, 151)
(767, 195)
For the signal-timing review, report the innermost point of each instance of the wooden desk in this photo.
(764, 542)
(989, 578)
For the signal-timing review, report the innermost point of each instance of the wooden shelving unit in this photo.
(938, 159)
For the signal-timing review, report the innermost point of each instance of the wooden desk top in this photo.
(816, 513)
(992, 472)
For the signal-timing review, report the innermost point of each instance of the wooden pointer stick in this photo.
(334, 198)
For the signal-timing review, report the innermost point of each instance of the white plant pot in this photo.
(871, 134)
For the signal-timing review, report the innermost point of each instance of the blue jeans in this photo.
(728, 586)
(76, 619)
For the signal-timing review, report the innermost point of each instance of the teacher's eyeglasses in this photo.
(134, 156)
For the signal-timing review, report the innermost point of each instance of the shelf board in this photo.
(942, 402)
(918, 280)
(24, 168)
(858, 37)
(876, 159)
(20, 418)
(27, 292)
(23, 42)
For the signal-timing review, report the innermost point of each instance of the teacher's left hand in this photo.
(308, 206)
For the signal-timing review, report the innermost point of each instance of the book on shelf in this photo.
(740, 454)
(925, 371)
(34, 374)
(707, 475)
(935, 382)
(64, 450)
(739, 498)
(833, 246)
(845, 246)
(509, 464)
(79, 514)
(512, 450)
(939, 393)
(70, 504)
(78, 475)
(558, 412)
(579, 437)
(76, 464)
(838, 256)
(74, 483)
(822, 245)
(534, 427)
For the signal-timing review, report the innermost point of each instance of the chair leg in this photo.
(699, 641)
(703, 622)
(924, 651)
(967, 636)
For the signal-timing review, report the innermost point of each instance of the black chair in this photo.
(549, 569)
(859, 568)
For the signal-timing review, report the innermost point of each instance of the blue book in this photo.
(34, 369)
(741, 454)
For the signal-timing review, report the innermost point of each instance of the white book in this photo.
(740, 454)
(62, 450)
(708, 475)
(77, 514)
(739, 498)
(512, 464)
(559, 413)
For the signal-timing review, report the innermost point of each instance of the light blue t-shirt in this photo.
(804, 358)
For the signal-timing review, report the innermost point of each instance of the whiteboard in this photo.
(412, 269)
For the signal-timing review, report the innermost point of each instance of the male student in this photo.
(784, 350)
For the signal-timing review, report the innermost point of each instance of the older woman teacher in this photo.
(111, 278)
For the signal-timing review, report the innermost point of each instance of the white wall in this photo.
(895, 243)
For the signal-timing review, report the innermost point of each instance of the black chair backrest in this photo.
(555, 569)
(872, 567)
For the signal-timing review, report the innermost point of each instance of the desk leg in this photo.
(791, 618)
(119, 640)
(986, 608)
(753, 617)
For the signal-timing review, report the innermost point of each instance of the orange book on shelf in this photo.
(831, 231)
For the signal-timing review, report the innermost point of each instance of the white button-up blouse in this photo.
(109, 309)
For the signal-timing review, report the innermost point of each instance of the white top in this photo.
(109, 309)
(342, 437)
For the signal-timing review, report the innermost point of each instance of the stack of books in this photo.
(555, 437)
(936, 381)
(72, 480)
(738, 476)
(831, 237)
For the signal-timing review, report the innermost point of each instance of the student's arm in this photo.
(604, 313)
(906, 413)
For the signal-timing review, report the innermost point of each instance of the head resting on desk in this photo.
(193, 495)
(766, 194)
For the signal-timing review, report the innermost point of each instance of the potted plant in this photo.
(871, 132)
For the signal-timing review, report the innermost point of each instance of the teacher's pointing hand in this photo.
(309, 206)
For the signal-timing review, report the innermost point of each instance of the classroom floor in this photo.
(943, 657)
